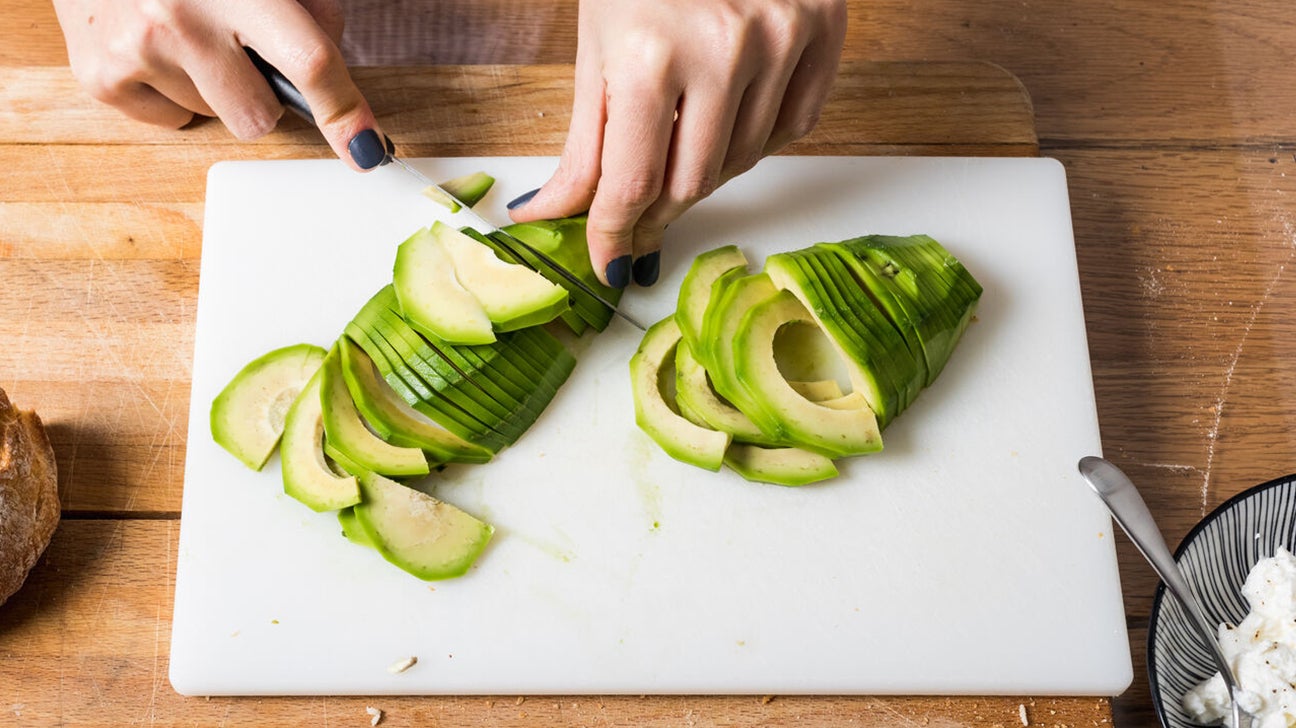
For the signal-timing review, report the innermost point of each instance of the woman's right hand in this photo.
(163, 61)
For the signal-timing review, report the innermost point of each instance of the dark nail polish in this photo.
(646, 268)
(618, 272)
(367, 149)
(522, 199)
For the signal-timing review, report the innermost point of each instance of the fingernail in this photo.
(618, 272)
(646, 268)
(367, 149)
(522, 199)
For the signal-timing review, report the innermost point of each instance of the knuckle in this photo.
(742, 161)
(313, 66)
(698, 185)
(784, 26)
(648, 54)
(635, 192)
(803, 124)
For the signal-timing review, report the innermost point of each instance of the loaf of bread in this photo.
(29, 505)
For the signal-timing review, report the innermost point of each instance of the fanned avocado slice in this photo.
(791, 466)
(921, 286)
(778, 408)
(422, 535)
(347, 432)
(247, 417)
(695, 289)
(393, 419)
(307, 476)
(680, 438)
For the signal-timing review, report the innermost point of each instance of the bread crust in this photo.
(29, 504)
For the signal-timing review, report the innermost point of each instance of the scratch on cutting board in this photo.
(1212, 434)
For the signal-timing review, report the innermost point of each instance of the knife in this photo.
(292, 99)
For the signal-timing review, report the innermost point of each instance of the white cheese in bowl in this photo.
(1261, 650)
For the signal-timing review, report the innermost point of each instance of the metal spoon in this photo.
(1129, 510)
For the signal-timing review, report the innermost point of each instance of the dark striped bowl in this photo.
(1215, 557)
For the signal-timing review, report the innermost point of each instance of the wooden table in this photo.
(1174, 122)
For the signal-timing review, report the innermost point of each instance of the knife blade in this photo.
(292, 99)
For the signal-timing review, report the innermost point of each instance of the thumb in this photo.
(571, 188)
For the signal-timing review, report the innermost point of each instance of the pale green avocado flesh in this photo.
(393, 419)
(247, 417)
(346, 432)
(431, 295)
(679, 437)
(513, 295)
(790, 466)
(779, 409)
(426, 537)
(468, 189)
(695, 289)
(307, 476)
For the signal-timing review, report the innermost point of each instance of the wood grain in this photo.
(94, 629)
(1173, 120)
(485, 110)
(1106, 71)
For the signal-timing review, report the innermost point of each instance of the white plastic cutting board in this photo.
(966, 558)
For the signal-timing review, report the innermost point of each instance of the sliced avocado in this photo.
(468, 189)
(431, 385)
(711, 320)
(426, 537)
(563, 240)
(865, 361)
(903, 369)
(431, 295)
(351, 528)
(779, 465)
(818, 390)
(921, 286)
(721, 326)
(571, 318)
(699, 403)
(393, 419)
(347, 432)
(247, 417)
(307, 476)
(513, 295)
(695, 289)
(454, 383)
(779, 409)
(680, 438)
(418, 396)
(342, 461)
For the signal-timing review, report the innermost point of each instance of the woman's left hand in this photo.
(673, 98)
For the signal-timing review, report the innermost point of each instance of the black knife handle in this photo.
(284, 90)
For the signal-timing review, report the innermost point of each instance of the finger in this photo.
(757, 114)
(697, 153)
(288, 38)
(808, 88)
(143, 103)
(235, 91)
(180, 88)
(637, 137)
(571, 188)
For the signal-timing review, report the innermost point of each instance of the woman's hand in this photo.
(672, 99)
(162, 61)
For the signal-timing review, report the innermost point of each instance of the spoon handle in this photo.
(1131, 512)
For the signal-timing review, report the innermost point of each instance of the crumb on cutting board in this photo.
(400, 666)
(375, 715)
